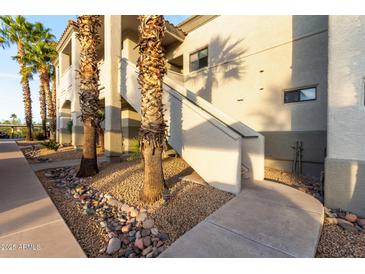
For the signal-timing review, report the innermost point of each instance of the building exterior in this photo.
(240, 92)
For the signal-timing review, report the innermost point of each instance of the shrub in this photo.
(69, 126)
(51, 145)
(39, 136)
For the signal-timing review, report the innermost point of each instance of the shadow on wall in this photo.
(222, 55)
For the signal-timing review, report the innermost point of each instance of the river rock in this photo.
(139, 243)
(134, 212)
(351, 217)
(146, 251)
(113, 246)
(148, 224)
(141, 217)
(361, 222)
(147, 241)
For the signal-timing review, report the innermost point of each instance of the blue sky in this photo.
(11, 100)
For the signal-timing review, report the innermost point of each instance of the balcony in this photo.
(65, 83)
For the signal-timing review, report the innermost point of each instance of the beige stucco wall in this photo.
(254, 58)
(345, 164)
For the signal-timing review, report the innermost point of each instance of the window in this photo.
(300, 95)
(199, 59)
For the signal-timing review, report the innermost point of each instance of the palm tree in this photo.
(54, 97)
(39, 55)
(43, 109)
(18, 31)
(100, 130)
(87, 34)
(152, 134)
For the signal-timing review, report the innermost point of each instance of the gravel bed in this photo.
(120, 185)
(89, 235)
(49, 155)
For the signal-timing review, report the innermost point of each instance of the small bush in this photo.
(39, 136)
(51, 145)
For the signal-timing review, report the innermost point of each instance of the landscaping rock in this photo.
(351, 217)
(154, 231)
(147, 241)
(141, 217)
(145, 232)
(361, 222)
(348, 227)
(113, 246)
(148, 224)
(134, 212)
(332, 221)
(163, 236)
(139, 243)
(112, 202)
(146, 251)
(124, 208)
(126, 228)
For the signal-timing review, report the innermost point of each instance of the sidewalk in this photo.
(265, 220)
(30, 225)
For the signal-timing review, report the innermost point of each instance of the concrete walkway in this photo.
(30, 225)
(265, 220)
(56, 164)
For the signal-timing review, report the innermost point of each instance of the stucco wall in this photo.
(345, 177)
(253, 59)
(346, 110)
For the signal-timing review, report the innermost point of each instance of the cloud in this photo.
(9, 75)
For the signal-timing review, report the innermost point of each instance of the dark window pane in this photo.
(199, 59)
(291, 96)
(203, 62)
(308, 94)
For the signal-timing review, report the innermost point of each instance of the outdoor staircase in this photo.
(222, 150)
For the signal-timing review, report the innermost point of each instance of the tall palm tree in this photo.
(53, 124)
(43, 109)
(87, 34)
(18, 31)
(152, 134)
(39, 55)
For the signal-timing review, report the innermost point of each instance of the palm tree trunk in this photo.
(53, 124)
(43, 109)
(44, 78)
(87, 34)
(152, 68)
(26, 94)
(89, 165)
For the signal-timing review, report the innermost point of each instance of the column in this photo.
(77, 125)
(112, 55)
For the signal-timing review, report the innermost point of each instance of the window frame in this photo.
(299, 89)
(197, 51)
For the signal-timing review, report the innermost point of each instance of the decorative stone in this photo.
(146, 251)
(134, 212)
(343, 221)
(163, 236)
(147, 241)
(139, 243)
(348, 227)
(154, 231)
(125, 241)
(132, 233)
(145, 232)
(141, 217)
(351, 217)
(159, 243)
(148, 224)
(103, 224)
(331, 221)
(138, 235)
(113, 245)
(361, 222)
(90, 211)
(150, 255)
(124, 208)
(112, 202)
(125, 229)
